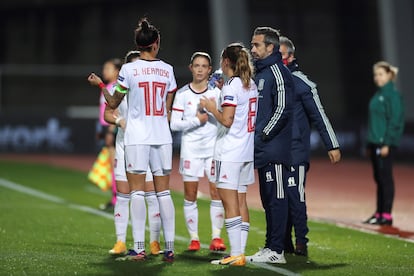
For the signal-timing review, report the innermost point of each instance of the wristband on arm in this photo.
(101, 85)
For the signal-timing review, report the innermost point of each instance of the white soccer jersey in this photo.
(236, 144)
(148, 83)
(197, 140)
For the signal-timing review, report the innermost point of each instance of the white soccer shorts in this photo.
(157, 157)
(193, 169)
(233, 175)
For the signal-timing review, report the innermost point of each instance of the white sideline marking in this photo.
(39, 194)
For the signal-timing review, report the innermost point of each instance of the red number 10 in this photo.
(157, 92)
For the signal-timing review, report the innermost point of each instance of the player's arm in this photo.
(112, 100)
(111, 116)
(224, 117)
(316, 114)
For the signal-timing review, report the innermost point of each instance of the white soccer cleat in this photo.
(266, 255)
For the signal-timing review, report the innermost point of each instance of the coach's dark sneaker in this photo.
(384, 221)
(374, 220)
(289, 249)
(301, 250)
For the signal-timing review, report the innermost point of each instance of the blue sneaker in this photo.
(132, 255)
(168, 256)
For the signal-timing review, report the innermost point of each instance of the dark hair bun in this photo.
(144, 25)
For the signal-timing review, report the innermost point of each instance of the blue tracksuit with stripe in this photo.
(273, 136)
(308, 111)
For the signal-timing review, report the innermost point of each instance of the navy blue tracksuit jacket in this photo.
(308, 111)
(272, 143)
(274, 120)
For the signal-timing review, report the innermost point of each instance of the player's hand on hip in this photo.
(334, 155)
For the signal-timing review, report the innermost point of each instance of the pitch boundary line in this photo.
(39, 194)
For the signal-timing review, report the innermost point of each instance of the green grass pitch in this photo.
(60, 235)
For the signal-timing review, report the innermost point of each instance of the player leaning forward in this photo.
(233, 154)
(150, 84)
(199, 131)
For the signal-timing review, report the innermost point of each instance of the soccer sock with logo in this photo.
(191, 218)
(217, 218)
(138, 217)
(245, 227)
(233, 227)
(121, 216)
(167, 213)
(154, 218)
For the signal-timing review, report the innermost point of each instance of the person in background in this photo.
(110, 73)
(197, 149)
(121, 209)
(385, 128)
(234, 149)
(308, 110)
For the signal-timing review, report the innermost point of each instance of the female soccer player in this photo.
(233, 154)
(150, 85)
(121, 210)
(197, 148)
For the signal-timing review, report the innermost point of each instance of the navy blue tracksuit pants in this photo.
(273, 192)
(297, 204)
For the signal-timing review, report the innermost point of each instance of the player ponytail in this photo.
(146, 35)
(240, 62)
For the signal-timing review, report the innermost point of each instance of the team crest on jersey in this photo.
(187, 164)
(269, 177)
(291, 182)
(260, 85)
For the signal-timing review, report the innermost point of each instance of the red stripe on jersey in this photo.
(177, 109)
(172, 91)
(228, 104)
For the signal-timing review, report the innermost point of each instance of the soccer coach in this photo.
(273, 137)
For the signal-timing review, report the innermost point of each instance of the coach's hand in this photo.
(334, 155)
(94, 79)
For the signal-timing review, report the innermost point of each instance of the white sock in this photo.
(154, 218)
(167, 212)
(191, 218)
(121, 216)
(245, 227)
(217, 218)
(138, 217)
(233, 227)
